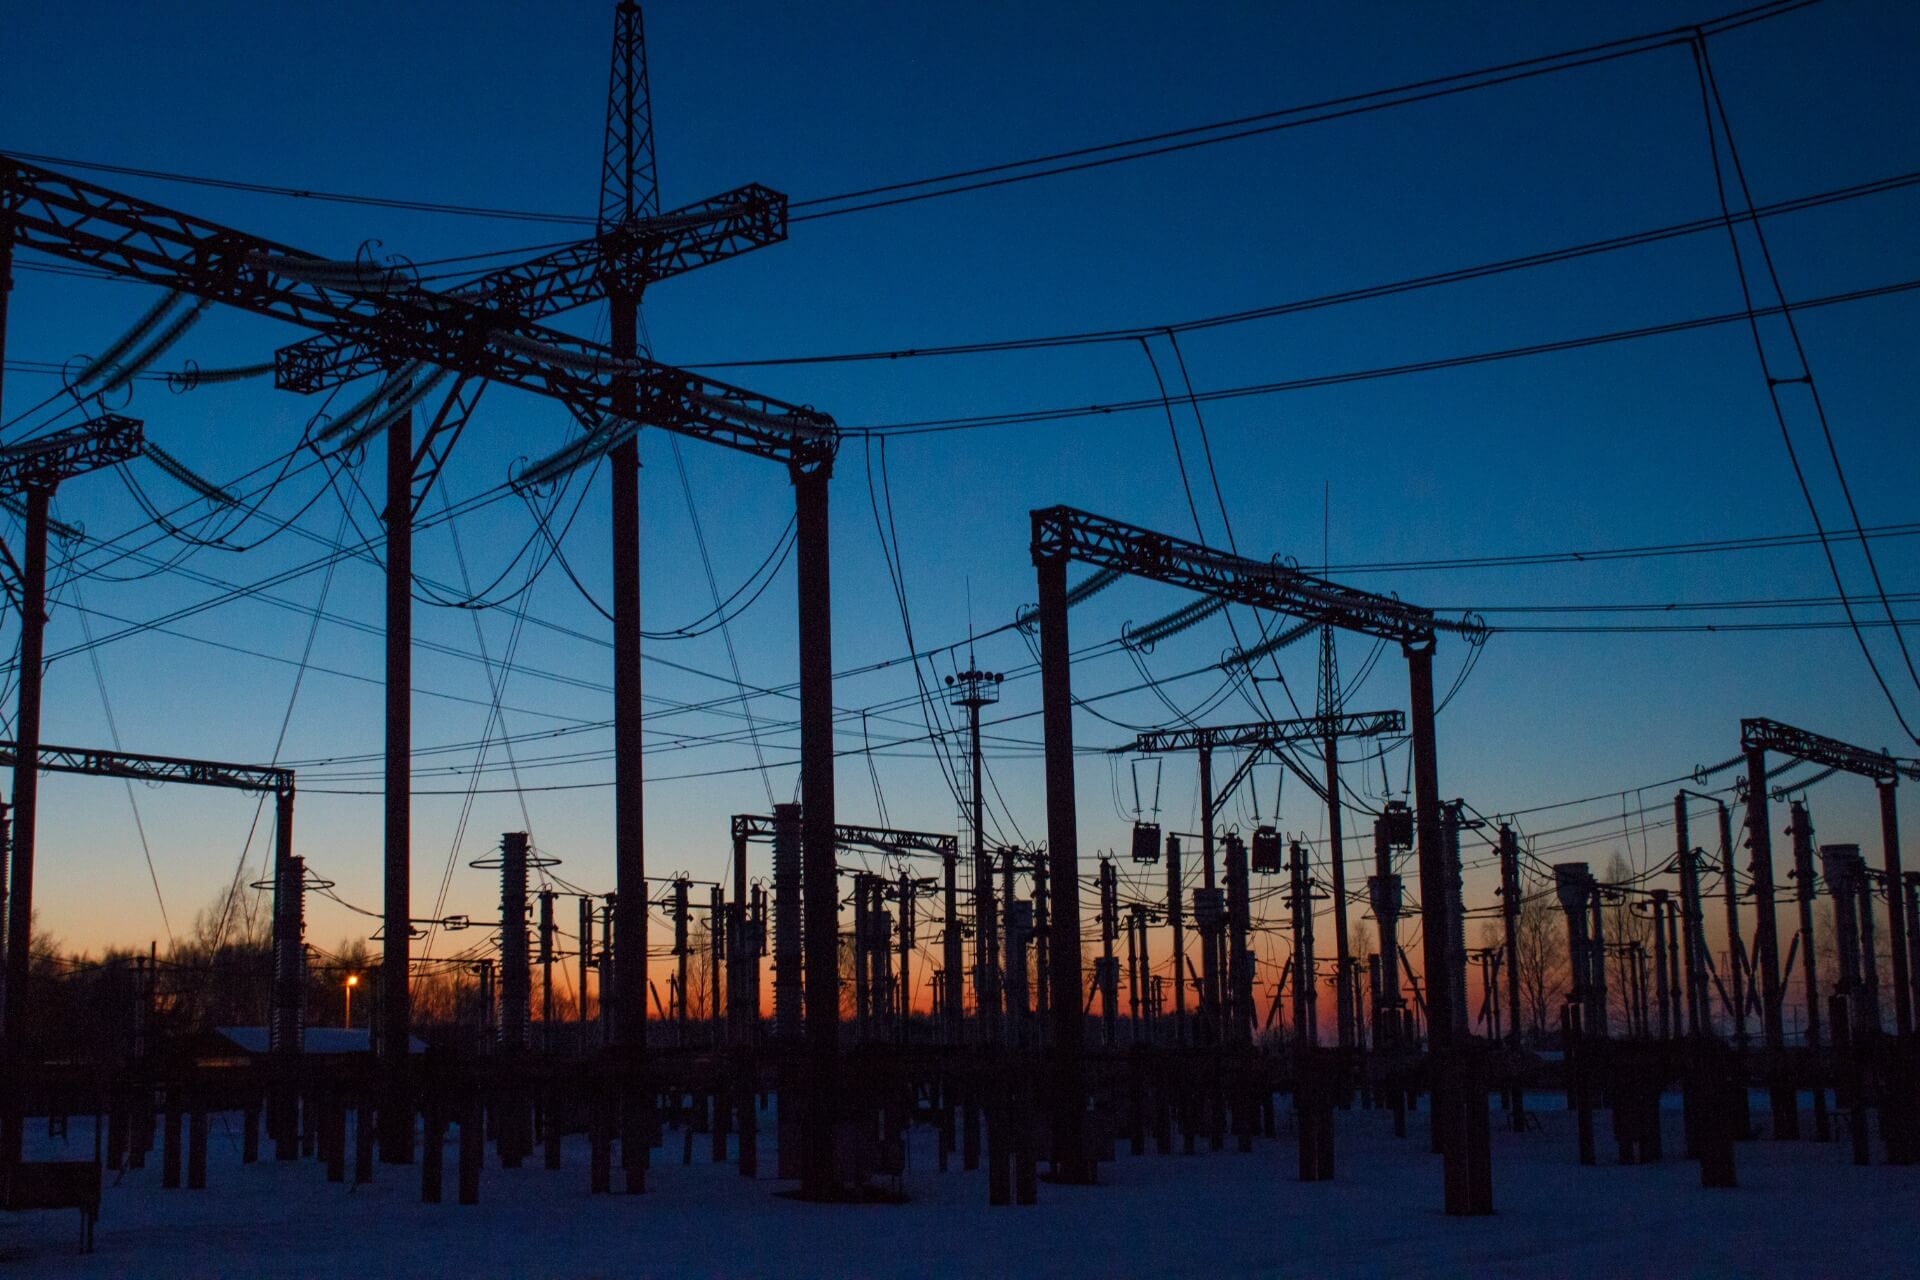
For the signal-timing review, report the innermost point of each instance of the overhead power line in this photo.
(1029, 168)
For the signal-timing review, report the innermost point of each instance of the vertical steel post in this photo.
(1070, 1161)
(1896, 915)
(819, 872)
(1766, 941)
(26, 791)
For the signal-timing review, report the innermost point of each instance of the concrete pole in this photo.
(628, 994)
(788, 960)
(1210, 1018)
(1801, 827)
(716, 956)
(1735, 952)
(1337, 871)
(1599, 1016)
(1070, 1160)
(952, 964)
(1660, 963)
(1903, 974)
(546, 971)
(516, 974)
(26, 791)
(1510, 918)
(1239, 963)
(1689, 916)
(1176, 919)
(818, 853)
(1766, 941)
(1109, 962)
(1042, 954)
(1306, 1028)
(682, 953)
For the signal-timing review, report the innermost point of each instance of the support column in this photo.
(1336, 864)
(1510, 917)
(396, 1006)
(629, 993)
(1766, 942)
(26, 787)
(1176, 917)
(1063, 844)
(1689, 918)
(1896, 914)
(1209, 932)
(818, 871)
(1668, 1028)
(26, 790)
(1735, 951)
(950, 952)
(516, 974)
(1801, 826)
(1460, 1118)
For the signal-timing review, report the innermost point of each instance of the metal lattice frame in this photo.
(136, 240)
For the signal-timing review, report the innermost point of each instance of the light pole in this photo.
(346, 1019)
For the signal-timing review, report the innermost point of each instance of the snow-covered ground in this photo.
(1801, 1210)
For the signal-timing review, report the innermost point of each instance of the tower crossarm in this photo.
(630, 257)
(1269, 733)
(1258, 584)
(379, 307)
(145, 768)
(1815, 748)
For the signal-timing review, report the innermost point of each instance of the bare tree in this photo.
(1541, 935)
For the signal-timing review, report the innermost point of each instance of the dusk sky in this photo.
(1663, 439)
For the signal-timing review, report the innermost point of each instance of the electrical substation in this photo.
(836, 1010)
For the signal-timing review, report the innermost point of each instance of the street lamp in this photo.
(353, 980)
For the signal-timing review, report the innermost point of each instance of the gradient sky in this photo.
(1669, 439)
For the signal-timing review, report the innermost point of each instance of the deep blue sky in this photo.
(1668, 439)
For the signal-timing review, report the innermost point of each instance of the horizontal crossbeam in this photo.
(1270, 585)
(1268, 733)
(751, 826)
(380, 309)
(1815, 748)
(145, 768)
(44, 461)
(627, 257)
